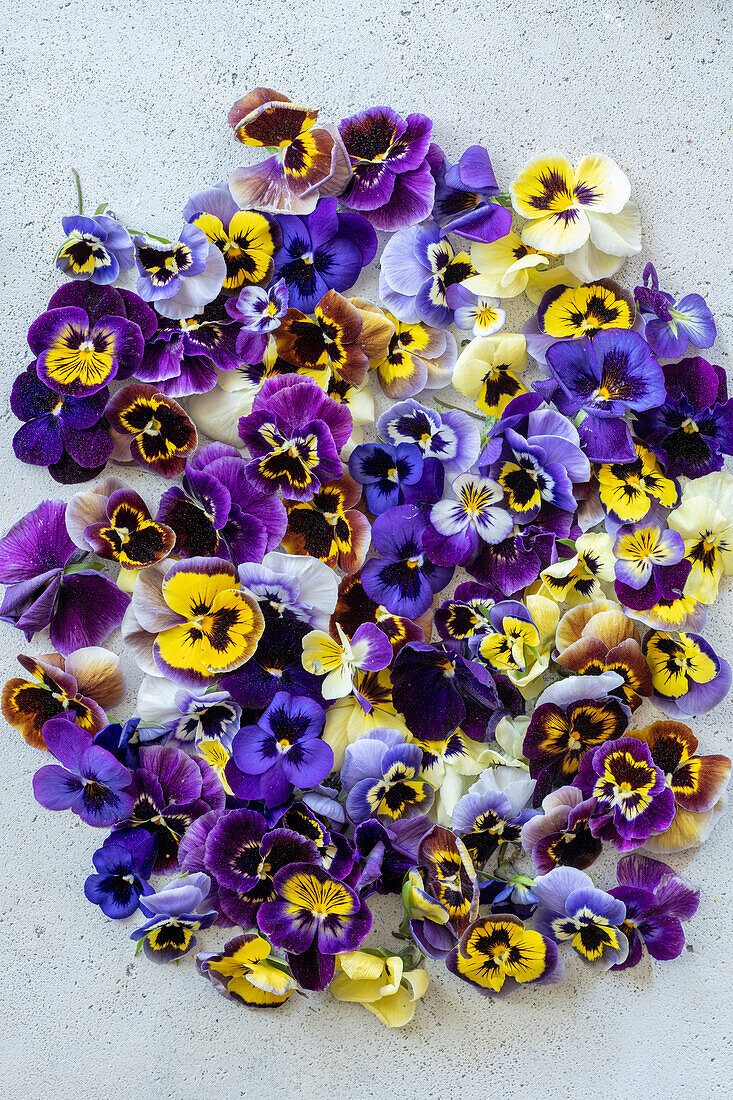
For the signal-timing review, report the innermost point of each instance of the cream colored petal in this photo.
(99, 674)
(217, 413)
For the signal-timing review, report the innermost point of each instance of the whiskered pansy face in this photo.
(633, 797)
(497, 953)
(161, 433)
(574, 312)
(628, 489)
(130, 536)
(696, 782)
(29, 704)
(327, 339)
(247, 244)
(450, 876)
(77, 356)
(328, 527)
(687, 674)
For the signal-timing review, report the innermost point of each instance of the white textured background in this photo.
(134, 95)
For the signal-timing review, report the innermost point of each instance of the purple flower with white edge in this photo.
(292, 586)
(606, 377)
(560, 836)
(87, 780)
(452, 437)
(381, 777)
(97, 248)
(387, 472)
(183, 277)
(657, 900)
(123, 866)
(283, 751)
(650, 565)
(464, 195)
(459, 525)
(475, 314)
(259, 313)
(572, 910)
(417, 267)
(671, 326)
(633, 799)
(403, 579)
(322, 251)
(176, 912)
(392, 184)
(493, 812)
(49, 584)
(67, 434)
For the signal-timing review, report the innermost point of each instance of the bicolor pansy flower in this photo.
(633, 799)
(628, 490)
(579, 579)
(487, 817)
(419, 357)
(687, 675)
(572, 910)
(307, 161)
(96, 248)
(417, 268)
(177, 912)
(466, 616)
(314, 917)
(382, 779)
(450, 876)
(697, 782)
(77, 355)
(607, 642)
(560, 836)
(649, 565)
(159, 432)
(453, 437)
(183, 277)
(130, 536)
(486, 371)
(327, 340)
(520, 640)
(657, 901)
(245, 970)
(329, 527)
(670, 326)
(403, 578)
(354, 607)
(368, 650)
(565, 206)
(460, 524)
(530, 476)
(705, 522)
(570, 313)
(247, 239)
(497, 953)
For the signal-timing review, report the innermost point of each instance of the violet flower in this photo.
(183, 277)
(381, 777)
(451, 437)
(560, 836)
(87, 780)
(458, 525)
(96, 248)
(657, 900)
(463, 198)
(275, 666)
(575, 911)
(669, 325)
(183, 355)
(259, 313)
(392, 184)
(403, 579)
(386, 472)
(176, 912)
(123, 866)
(49, 585)
(417, 267)
(650, 565)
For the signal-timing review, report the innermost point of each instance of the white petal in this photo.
(217, 413)
(617, 234)
(588, 264)
(196, 291)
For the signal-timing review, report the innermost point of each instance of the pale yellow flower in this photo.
(380, 984)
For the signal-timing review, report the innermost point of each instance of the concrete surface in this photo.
(134, 95)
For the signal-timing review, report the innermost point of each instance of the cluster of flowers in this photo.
(316, 727)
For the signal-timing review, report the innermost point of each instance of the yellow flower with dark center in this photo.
(246, 971)
(579, 579)
(329, 527)
(583, 311)
(487, 369)
(705, 521)
(627, 489)
(496, 949)
(674, 662)
(247, 245)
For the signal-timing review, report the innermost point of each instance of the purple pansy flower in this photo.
(451, 437)
(650, 565)
(459, 525)
(282, 751)
(97, 248)
(183, 355)
(493, 812)
(605, 377)
(403, 579)
(514, 564)
(572, 910)
(381, 777)
(657, 900)
(693, 428)
(275, 666)
(633, 799)
(417, 267)
(322, 251)
(123, 866)
(386, 472)
(560, 836)
(48, 584)
(463, 198)
(67, 434)
(87, 780)
(176, 912)
(259, 313)
(183, 277)
(669, 325)
(387, 852)
(392, 184)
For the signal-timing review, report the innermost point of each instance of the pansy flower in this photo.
(128, 534)
(314, 918)
(570, 719)
(294, 434)
(670, 326)
(417, 268)
(632, 797)
(329, 527)
(452, 437)
(247, 239)
(96, 248)
(368, 650)
(386, 472)
(176, 913)
(493, 812)
(155, 430)
(180, 278)
(191, 716)
(657, 900)
(693, 428)
(572, 910)
(392, 184)
(497, 953)
(459, 524)
(308, 161)
(519, 641)
(382, 778)
(507, 267)
(369, 707)
(605, 378)
(570, 313)
(579, 578)
(203, 622)
(87, 779)
(628, 490)
(48, 584)
(649, 565)
(259, 313)
(76, 687)
(354, 607)
(565, 206)
(403, 578)
(292, 587)
(449, 879)
(599, 638)
(464, 194)
(245, 970)
(451, 763)
(381, 983)
(466, 615)
(330, 339)
(276, 665)
(324, 251)
(561, 836)
(705, 521)
(418, 357)
(512, 565)
(687, 675)
(123, 866)
(697, 782)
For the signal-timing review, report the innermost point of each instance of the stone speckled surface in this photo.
(134, 95)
